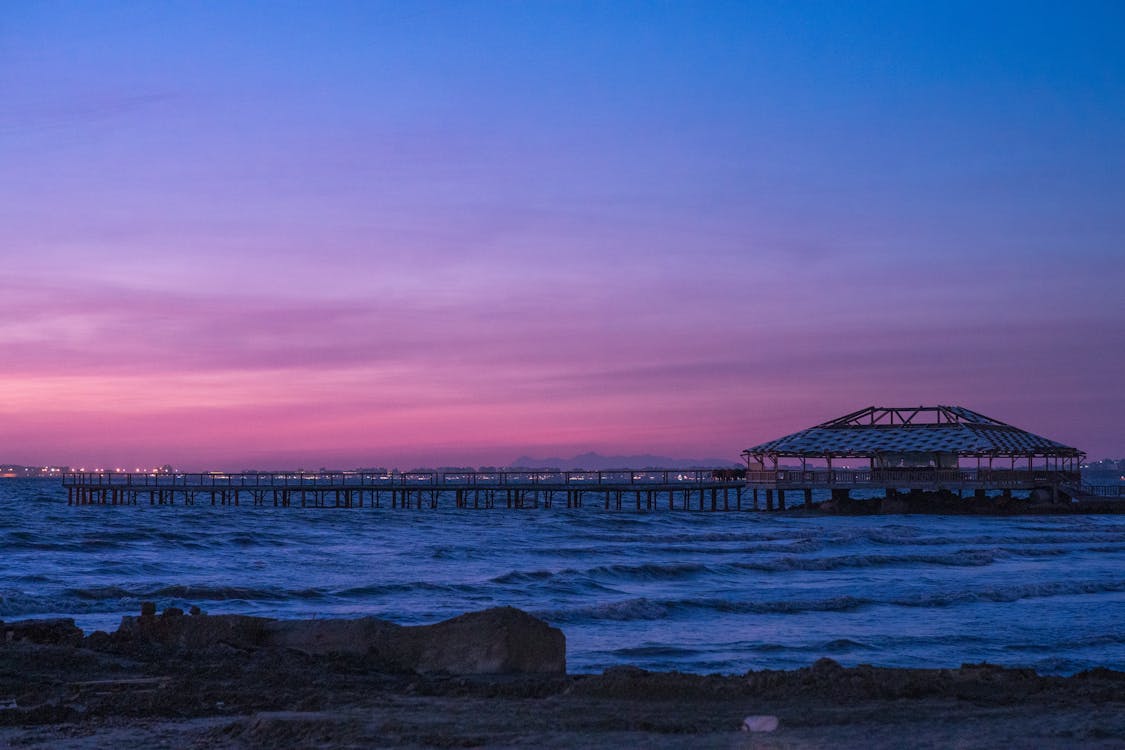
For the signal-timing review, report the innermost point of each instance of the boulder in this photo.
(503, 640)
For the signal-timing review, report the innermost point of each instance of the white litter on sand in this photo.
(759, 723)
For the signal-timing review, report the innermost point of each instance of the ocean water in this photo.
(688, 591)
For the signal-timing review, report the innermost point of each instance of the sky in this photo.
(297, 234)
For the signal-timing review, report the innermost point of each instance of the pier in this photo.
(640, 489)
(946, 450)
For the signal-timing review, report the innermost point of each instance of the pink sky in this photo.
(681, 237)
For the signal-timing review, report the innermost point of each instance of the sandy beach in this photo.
(62, 690)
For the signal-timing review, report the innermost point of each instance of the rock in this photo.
(825, 667)
(99, 640)
(148, 609)
(195, 611)
(503, 640)
(190, 633)
(361, 636)
(59, 631)
(172, 612)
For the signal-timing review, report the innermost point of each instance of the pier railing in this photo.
(1102, 490)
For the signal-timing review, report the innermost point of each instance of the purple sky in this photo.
(341, 234)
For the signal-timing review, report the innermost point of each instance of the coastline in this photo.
(154, 683)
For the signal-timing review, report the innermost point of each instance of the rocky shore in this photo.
(488, 679)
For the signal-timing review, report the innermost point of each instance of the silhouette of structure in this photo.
(930, 448)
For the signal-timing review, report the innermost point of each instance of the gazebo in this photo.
(922, 447)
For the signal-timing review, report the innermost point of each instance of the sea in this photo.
(695, 592)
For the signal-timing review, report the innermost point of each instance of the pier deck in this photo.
(644, 489)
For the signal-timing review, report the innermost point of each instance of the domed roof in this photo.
(917, 429)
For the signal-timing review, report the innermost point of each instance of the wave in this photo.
(626, 610)
(683, 570)
(118, 598)
(1057, 538)
(643, 608)
(524, 576)
(20, 604)
(836, 646)
(650, 571)
(706, 537)
(192, 592)
(1092, 641)
(966, 558)
(618, 572)
(1009, 594)
(100, 593)
(840, 645)
(654, 650)
(454, 553)
(383, 589)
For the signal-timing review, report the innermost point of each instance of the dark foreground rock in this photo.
(829, 681)
(270, 683)
(502, 640)
(58, 631)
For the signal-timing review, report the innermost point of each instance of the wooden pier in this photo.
(640, 490)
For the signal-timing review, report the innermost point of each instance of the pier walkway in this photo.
(641, 489)
(644, 489)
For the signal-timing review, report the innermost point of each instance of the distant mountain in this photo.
(596, 461)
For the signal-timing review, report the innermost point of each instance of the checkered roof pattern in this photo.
(972, 434)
